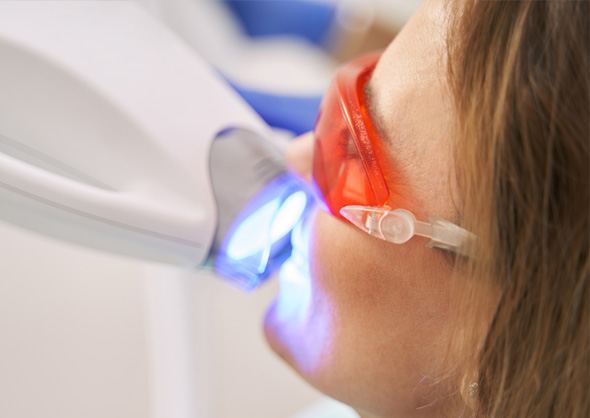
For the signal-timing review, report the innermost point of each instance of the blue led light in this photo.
(250, 237)
(289, 214)
(259, 240)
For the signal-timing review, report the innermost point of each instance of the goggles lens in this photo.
(345, 166)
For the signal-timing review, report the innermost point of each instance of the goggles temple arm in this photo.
(399, 225)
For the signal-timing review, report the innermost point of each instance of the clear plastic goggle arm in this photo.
(399, 225)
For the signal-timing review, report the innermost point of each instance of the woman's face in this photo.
(364, 320)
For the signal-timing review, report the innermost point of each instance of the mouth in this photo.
(299, 253)
(294, 276)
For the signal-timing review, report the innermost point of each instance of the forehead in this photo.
(410, 102)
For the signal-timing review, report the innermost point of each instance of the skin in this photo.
(369, 326)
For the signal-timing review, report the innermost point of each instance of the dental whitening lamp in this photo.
(115, 135)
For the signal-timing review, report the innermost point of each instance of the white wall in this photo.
(72, 331)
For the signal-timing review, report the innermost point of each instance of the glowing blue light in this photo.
(252, 236)
(259, 241)
(295, 291)
(288, 215)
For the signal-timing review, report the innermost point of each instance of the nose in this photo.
(300, 155)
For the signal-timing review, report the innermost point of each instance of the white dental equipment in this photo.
(115, 135)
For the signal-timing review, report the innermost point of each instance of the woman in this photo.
(477, 113)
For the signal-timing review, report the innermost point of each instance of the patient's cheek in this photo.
(348, 271)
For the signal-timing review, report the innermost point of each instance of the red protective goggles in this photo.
(346, 170)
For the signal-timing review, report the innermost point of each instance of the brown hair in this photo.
(519, 75)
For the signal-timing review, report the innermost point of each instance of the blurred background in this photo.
(84, 334)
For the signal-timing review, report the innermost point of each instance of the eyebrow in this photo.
(371, 106)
